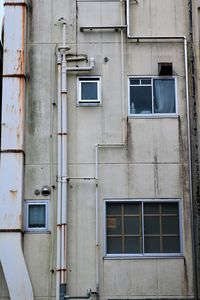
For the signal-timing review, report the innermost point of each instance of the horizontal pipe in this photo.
(15, 4)
(89, 68)
(192, 298)
(81, 178)
(12, 151)
(114, 27)
(11, 230)
(110, 145)
(135, 37)
(89, 294)
(76, 58)
(79, 68)
(14, 76)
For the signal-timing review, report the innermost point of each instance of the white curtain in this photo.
(164, 96)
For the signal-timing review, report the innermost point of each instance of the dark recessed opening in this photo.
(165, 69)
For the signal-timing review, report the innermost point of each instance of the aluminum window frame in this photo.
(89, 102)
(27, 204)
(153, 115)
(143, 254)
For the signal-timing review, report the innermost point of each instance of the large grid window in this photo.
(142, 228)
(152, 96)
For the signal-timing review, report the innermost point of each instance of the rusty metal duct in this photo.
(12, 152)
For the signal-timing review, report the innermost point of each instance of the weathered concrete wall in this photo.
(153, 164)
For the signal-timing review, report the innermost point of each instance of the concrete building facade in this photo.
(99, 150)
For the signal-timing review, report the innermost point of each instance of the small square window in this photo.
(36, 215)
(89, 90)
(152, 96)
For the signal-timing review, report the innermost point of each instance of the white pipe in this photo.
(122, 78)
(64, 167)
(97, 146)
(81, 178)
(62, 159)
(59, 188)
(91, 66)
(97, 219)
(64, 33)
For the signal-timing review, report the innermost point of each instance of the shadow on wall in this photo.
(1, 71)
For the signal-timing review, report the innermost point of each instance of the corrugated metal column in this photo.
(12, 152)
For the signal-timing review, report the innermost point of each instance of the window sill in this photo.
(89, 104)
(179, 256)
(164, 116)
(37, 231)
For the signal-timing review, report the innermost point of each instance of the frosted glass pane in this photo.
(114, 245)
(171, 245)
(170, 225)
(114, 225)
(113, 209)
(170, 208)
(151, 208)
(132, 208)
(151, 244)
(131, 225)
(36, 216)
(132, 245)
(151, 225)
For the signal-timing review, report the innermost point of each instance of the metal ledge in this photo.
(110, 27)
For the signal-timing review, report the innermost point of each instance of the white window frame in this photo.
(26, 215)
(153, 115)
(88, 102)
(144, 255)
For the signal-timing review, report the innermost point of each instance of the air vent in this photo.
(165, 69)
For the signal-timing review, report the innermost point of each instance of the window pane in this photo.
(89, 91)
(114, 245)
(170, 208)
(114, 225)
(134, 81)
(151, 225)
(131, 225)
(151, 244)
(132, 244)
(132, 208)
(140, 100)
(36, 216)
(113, 209)
(164, 96)
(146, 81)
(170, 225)
(151, 208)
(171, 245)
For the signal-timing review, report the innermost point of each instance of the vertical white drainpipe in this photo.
(12, 152)
(61, 277)
(59, 190)
(64, 168)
